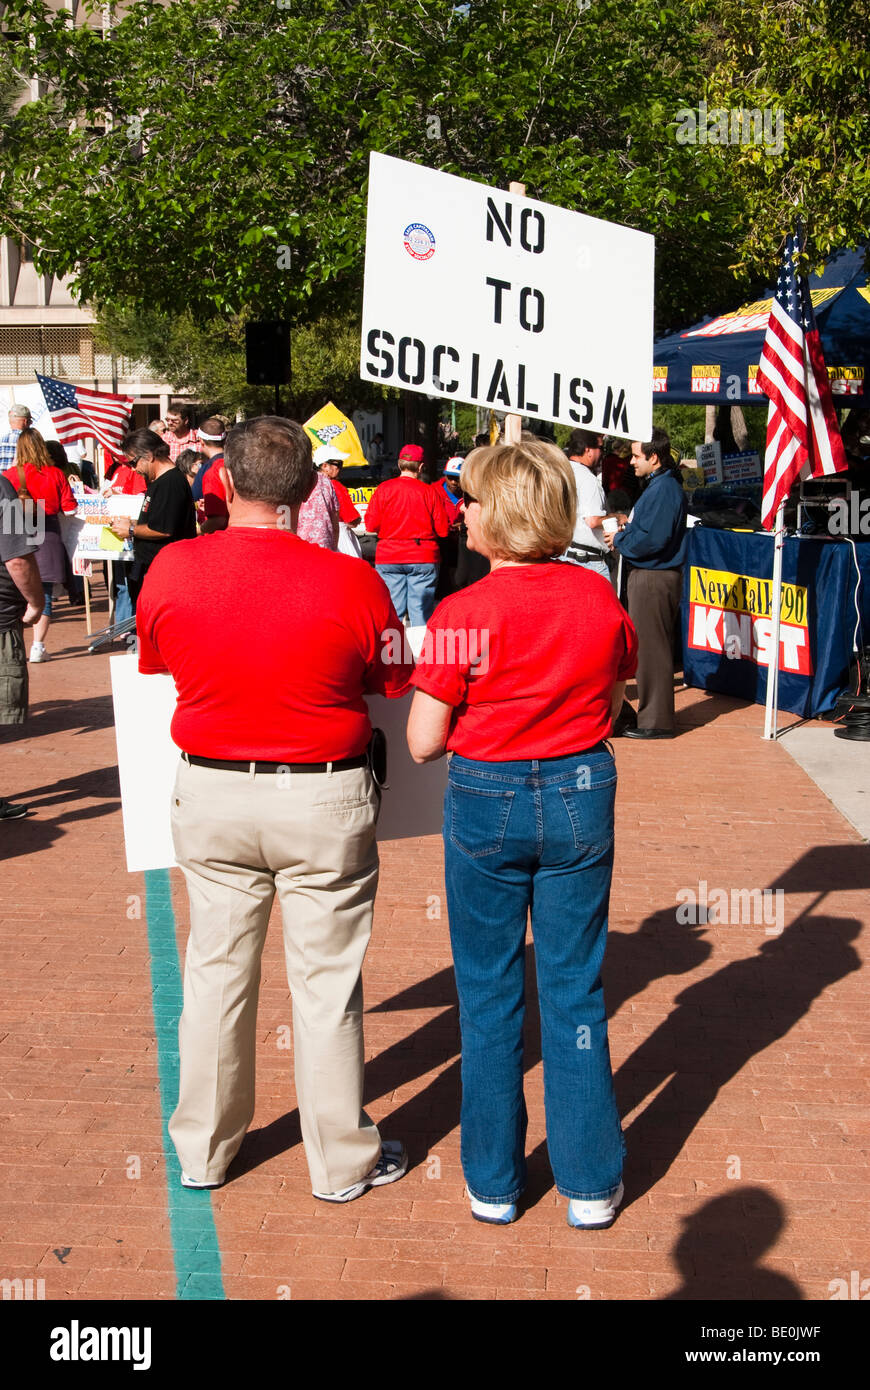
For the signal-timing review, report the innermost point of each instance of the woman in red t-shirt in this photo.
(47, 486)
(519, 677)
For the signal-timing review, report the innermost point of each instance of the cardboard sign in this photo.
(148, 761)
(83, 531)
(479, 295)
(709, 458)
(741, 468)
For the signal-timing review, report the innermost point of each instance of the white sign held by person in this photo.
(491, 298)
(148, 761)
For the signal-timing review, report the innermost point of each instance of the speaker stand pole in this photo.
(277, 399)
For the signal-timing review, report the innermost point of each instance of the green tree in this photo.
(213, 157)
(808, 63)
(207, 359)
(216, 156)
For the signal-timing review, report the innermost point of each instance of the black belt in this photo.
(341, 765)
(588, 552)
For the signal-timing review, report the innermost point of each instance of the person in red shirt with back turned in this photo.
(35, 475)
(274, 794)
(519, 678)
(408, 518)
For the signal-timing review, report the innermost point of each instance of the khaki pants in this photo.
(654, 608)
(13, 676)
(240, 838)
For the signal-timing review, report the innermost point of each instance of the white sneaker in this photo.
(492, 1213)
(392, 1165)
(594, 1216)
(38, 652)
(203, 1186)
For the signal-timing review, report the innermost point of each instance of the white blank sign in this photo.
(148, 761)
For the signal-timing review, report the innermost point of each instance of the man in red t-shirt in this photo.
(274, 794)
(209, 490)
(408, 518)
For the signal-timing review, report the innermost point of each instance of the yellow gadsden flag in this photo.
(329, 426)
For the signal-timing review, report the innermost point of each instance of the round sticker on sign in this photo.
(419, 241)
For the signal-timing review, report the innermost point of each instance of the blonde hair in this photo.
(527, 496)
(31, 449)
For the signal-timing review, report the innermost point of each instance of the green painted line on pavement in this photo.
(195, 1247)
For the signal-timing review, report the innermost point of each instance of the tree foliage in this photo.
(207, 360)
(212, 157)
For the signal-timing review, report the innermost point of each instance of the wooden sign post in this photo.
(513, 424)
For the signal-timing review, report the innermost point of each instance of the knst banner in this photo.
(498, 300)
(727, 616)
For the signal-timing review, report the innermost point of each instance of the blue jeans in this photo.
(123, 603)
(412, 589)
(518, 836)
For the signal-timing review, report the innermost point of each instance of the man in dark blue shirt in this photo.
(653, 540)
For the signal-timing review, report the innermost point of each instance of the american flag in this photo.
(803, 436)
(80, 413)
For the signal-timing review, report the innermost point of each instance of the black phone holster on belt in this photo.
(377, 751)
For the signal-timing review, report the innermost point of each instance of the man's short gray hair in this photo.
(270, 460)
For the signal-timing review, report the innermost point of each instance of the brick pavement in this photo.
(741, 1056)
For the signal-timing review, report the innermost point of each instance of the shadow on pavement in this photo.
(68, 716)
(717, 1025)
(714, 1028)
(696, 715)
(40, 829)
(723, 1242)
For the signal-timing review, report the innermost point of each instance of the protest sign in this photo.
(489, 297)
(83, 531)
(329, 426)
(741, 468)
(709, 459)
(148, 761)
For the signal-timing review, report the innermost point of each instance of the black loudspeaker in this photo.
(267, 353)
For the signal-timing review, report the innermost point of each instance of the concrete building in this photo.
(43, 329)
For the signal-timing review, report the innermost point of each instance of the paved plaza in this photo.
(740, 1047)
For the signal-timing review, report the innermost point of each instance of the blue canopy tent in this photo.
(716, 361)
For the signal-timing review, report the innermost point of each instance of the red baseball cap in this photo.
(412, 452)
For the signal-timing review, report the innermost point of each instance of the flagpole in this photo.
(770, 708)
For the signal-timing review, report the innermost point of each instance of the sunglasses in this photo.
(468, 499)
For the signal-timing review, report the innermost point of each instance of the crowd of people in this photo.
(277, 791)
